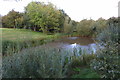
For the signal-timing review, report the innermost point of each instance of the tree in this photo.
(68, 25)
(84, 27)
(46, 17)
(100, 24)
(12, 19)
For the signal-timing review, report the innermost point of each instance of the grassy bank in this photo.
(14, 40)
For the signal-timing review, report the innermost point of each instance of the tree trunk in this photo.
(34, 28)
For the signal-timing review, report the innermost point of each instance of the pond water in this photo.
(86, 45)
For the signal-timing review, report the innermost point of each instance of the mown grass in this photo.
(22, 34)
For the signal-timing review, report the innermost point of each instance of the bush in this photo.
(110, 34)
(107, 62)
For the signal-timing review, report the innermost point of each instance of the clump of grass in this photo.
(11, 47)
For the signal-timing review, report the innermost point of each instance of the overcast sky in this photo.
(76, 9)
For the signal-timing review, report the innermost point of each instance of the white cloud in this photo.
(76, 9)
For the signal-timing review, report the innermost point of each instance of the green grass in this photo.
(22, 34)
(85, 73)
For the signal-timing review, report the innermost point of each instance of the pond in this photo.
(86, 45)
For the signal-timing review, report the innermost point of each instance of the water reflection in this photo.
(91, 48)
(77, 40)
(86, 45)
(73, 45)
(78, 44)
(72, 37)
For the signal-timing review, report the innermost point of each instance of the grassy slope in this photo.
(22, 34)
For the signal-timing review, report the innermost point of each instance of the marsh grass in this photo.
(10, 47)
(37, 63)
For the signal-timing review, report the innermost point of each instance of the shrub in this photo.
(107, 62)
(110, 34)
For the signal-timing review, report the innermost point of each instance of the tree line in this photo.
(47, 18)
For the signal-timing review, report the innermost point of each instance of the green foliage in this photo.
(12, 20)
(38, 17)
(108, 59)
(90, 28)
(100, 24)
(107, 63)
(84, 27)
(44, 16)
(68, 25)
(110, 34)
(35, 63)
